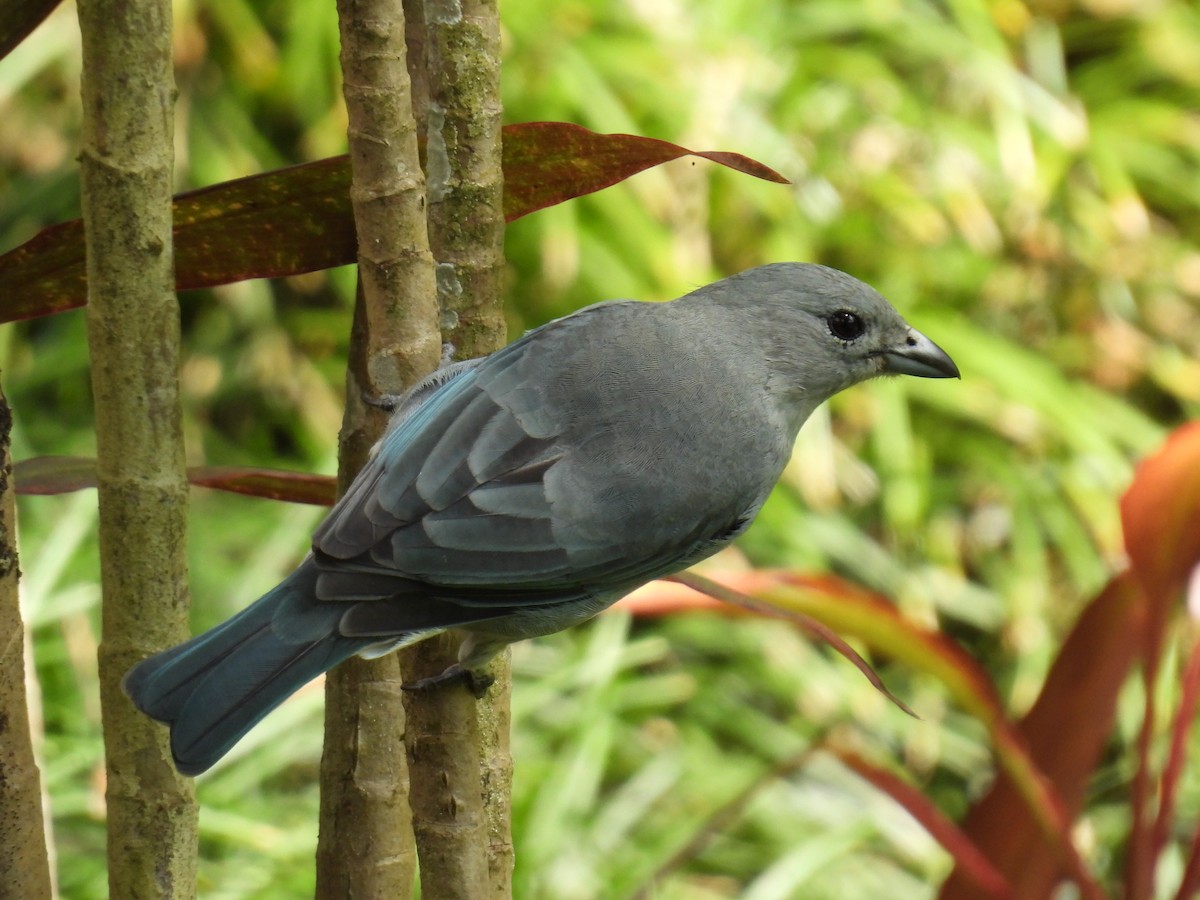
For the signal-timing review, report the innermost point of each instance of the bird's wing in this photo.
(452, 496)
(455, 502)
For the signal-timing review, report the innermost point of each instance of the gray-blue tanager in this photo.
(522, 493)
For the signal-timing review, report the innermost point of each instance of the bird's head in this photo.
(822, 331)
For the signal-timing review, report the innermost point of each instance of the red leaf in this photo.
(1177, 757)
(1161, 515)
(1066, 731)
(298, 219)
(283, 222)
(853, 611)
(847, 609)
(967, 857)
(1189, 885)
(809, 624)
(62, 474)
(44, 475)
(18, 18)
(548, 162)
(1068, 726)
(279, 223)
(270, 484)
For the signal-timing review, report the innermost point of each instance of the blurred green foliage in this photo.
(1020, 178)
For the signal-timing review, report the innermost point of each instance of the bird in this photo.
(521, 493)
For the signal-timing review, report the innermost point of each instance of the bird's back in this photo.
(670, 434)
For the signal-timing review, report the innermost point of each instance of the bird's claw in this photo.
(477, 682)
(387, 402)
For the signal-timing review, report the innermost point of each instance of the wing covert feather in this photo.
(435, 504)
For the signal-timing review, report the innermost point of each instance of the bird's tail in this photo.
(214, 688)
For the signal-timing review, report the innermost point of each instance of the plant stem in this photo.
(126, 162)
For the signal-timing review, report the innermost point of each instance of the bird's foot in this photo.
(477, 682)
(391, 402)
(387, 402)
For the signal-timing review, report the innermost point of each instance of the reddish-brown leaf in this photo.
(1189, 884)
(62, 474)
(44, 475)
(664, 598)
(18, 18)
(45, 275)
(967, 857)
(280, 223)
(298, 219)
(853, 611)
(1177, 756)
(548, 162)
(812, 626)
(1069, 724)
(1160, 514)
(1066, 731)
(846, 608)
(270, 484)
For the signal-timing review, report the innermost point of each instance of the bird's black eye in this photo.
(845, 325)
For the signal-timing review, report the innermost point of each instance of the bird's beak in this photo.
(921, 357)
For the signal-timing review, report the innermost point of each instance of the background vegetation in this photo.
(1019, 178)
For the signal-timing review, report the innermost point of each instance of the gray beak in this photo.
(921, 357)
